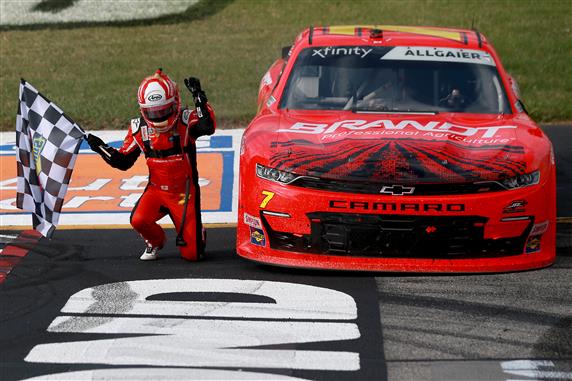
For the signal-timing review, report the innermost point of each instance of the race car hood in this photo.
(405, 148)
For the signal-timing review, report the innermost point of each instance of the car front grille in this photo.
(420, 189)
(396, 236)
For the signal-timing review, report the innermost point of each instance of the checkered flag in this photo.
(48, 142)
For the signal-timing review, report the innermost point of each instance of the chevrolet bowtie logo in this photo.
(396, 190)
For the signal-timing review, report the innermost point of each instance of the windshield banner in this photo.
(421, 53)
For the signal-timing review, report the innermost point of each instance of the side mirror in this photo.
(514, 86)
(286, 52)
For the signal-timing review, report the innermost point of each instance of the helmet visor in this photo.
(160, 113)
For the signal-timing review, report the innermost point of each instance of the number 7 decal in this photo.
(267, 199)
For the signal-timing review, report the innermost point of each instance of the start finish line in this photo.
(101, 195)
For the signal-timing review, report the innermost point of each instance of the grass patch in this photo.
(93, 71)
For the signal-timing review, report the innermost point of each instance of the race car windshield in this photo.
(395, 79)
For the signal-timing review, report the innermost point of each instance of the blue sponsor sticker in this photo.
(532, 245)
(257, 237)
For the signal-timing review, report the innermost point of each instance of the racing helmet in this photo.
(159, 101)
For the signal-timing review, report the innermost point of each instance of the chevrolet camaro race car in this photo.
(384, 148)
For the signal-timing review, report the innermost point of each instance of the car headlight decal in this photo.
(274, 174)
(521, 181)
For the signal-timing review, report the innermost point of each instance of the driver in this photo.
(381, 90)
(454, 100)
(165, 133)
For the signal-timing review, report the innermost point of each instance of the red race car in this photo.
(391, 148)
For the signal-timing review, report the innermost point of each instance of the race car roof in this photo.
(393, 35)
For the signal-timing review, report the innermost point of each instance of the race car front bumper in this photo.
(490, 232)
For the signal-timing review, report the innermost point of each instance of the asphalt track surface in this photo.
(514, 326)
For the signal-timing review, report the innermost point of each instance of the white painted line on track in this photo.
(154, 374)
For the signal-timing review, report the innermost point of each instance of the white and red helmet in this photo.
(159, 101)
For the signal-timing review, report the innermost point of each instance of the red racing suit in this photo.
(172, 160)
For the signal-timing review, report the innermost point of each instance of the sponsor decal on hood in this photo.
(411, 128)
(415, 150)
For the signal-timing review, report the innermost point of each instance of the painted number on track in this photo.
(192, 323)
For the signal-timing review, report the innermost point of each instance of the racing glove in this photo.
(110, 154)
(205, 125)
(95, 143)
(194, 86)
